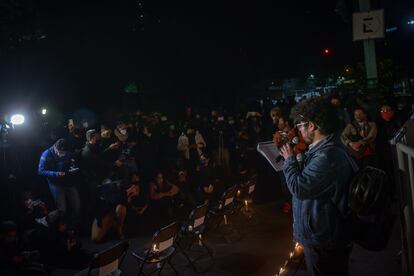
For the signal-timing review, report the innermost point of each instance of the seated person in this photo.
(162, 194)
(208, 180)
(56, 244)
(187, 189)
(135, 197)
(111, 208)
(31, 210)
(12, 258)
(136, 220)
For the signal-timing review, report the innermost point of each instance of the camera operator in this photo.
(56, 164)
(319, 190)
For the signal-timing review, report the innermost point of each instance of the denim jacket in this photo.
(319, 194)
(50, 164)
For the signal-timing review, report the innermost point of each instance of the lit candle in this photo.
(199, 240)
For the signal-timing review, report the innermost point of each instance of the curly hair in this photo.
(319, 111)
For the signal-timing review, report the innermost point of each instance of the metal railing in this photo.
(403, 158)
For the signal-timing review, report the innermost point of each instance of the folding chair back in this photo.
(165, 237)
(228, 197)
(109, 260)
(197, 217)
(251, 186)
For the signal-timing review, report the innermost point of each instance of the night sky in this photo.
(174, 49)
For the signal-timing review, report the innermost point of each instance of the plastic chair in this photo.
(161, 251)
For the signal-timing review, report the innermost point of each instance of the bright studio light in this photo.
(44, 111)
(17, 119)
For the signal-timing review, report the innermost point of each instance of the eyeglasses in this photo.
(301, 124)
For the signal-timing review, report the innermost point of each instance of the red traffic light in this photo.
(326, 52)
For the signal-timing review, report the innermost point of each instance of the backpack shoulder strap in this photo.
(351, 161)
(355, 168)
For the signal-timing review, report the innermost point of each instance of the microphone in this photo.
(292, 143)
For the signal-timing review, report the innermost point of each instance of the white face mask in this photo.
(123, 131)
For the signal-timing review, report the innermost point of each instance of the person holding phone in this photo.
(54, 164)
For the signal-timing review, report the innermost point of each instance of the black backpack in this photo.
(371, 210)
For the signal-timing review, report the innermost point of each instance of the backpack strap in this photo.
(351, 161)
(355, 168)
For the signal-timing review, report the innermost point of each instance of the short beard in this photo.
(310, 137)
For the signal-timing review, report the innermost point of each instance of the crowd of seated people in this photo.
(143, 171)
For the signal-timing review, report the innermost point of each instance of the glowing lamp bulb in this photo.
(17, 119)
(44, 111)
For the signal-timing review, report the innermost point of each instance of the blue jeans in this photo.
(327, 262)
(64, 197)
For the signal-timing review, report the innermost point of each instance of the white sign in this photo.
(228, 201)
(251, 188)
(368, 25)
(165, 244)
(199, 221)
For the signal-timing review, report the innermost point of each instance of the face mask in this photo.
(123, 131)
(85, 124)
(387, 116)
